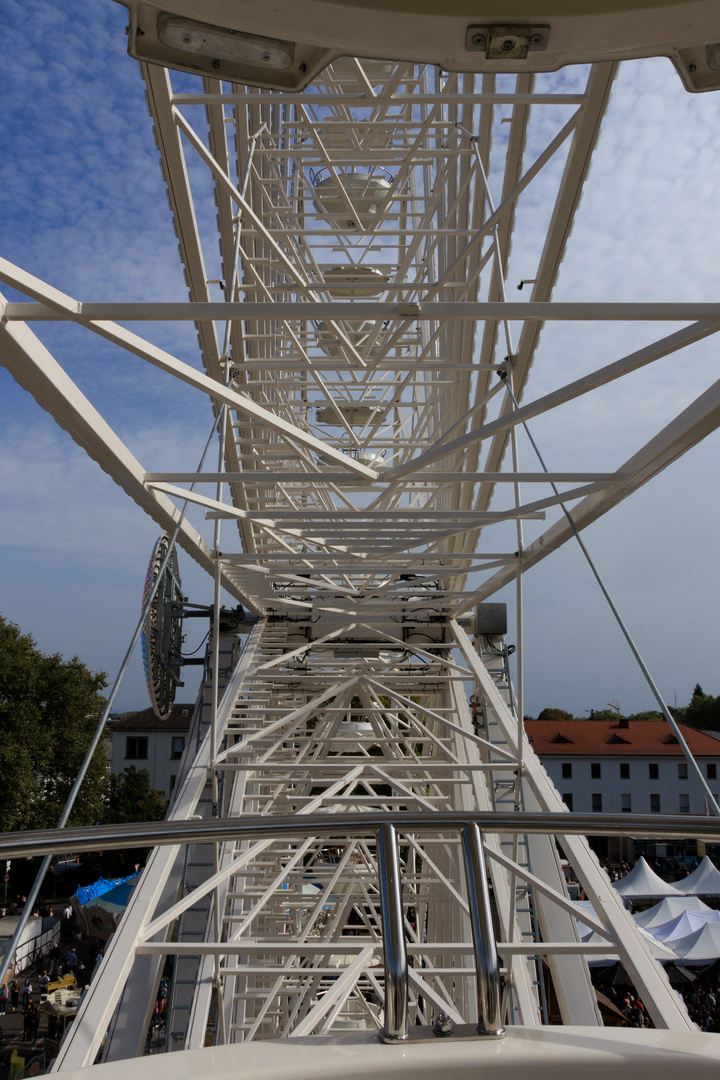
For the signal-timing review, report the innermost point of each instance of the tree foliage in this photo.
(49, 710)
(702, 712)
(131, 798)
(558, 715)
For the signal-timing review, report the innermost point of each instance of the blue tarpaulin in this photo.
(90, 892)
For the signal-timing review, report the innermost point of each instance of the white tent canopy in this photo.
(642, 883)
(705, 881)
(689, 922)
(658, 949)
(700, 947)
(668, 909)
(584, 930)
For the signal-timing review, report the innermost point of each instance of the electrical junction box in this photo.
(491, 619)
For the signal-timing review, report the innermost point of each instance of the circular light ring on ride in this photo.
(161, 633)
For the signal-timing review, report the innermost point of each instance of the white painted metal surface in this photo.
(354, 506)
(545, 1053)
(297, 38)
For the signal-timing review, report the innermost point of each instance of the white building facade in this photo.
(632, 767)
(140, 739)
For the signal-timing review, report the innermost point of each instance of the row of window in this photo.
(653, 770)
(626, 803)
(136, 747)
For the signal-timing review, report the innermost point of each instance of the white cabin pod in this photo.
(349, 736)
(366, 337)
(353, 200)
(344, 69)
(371, 458)
(354, 415)
(350, 282)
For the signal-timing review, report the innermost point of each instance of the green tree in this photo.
(605, 714)
(131, 798)
(49, 710)
(558, 715)
(703, 712)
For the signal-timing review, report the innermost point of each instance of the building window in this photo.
(682, 771)
(597, 803)
(654, 771)
(711, 771)
(654, 804)
(626, 804)
(178, 745)
(595, 770)
(624, 770)
(567, 770)
(684, 803)
(567, 799)
(136, 748)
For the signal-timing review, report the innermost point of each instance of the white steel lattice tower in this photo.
(364, 370)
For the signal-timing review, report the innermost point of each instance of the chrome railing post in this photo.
(483, 934)
(393, 932)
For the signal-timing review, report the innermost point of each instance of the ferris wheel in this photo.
(363, 845)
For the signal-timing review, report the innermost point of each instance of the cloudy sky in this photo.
(82, 205)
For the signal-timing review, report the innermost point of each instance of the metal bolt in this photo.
(216, 63)
(265, 56)
(443, 1025)
(508, 45)
(692, 68)
(536, 39)
(478, 39)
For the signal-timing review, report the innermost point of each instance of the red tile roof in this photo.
(596, 738)
(178, 720)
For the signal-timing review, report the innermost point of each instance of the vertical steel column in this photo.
(393, 931)
(486, 960)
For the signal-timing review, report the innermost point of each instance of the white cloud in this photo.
(83, 206)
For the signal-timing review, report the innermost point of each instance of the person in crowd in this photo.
(4, 995)
(34, 1025)
(26, 994)
(14, 994)
(27, 1022)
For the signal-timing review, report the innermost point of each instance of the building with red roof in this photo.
(625, 766)
(629, 767)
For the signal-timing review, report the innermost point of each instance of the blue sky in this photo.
(82, 205)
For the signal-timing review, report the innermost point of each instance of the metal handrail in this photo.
(255, 827)
(393, 936)
(487, 967)
(384, 826)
